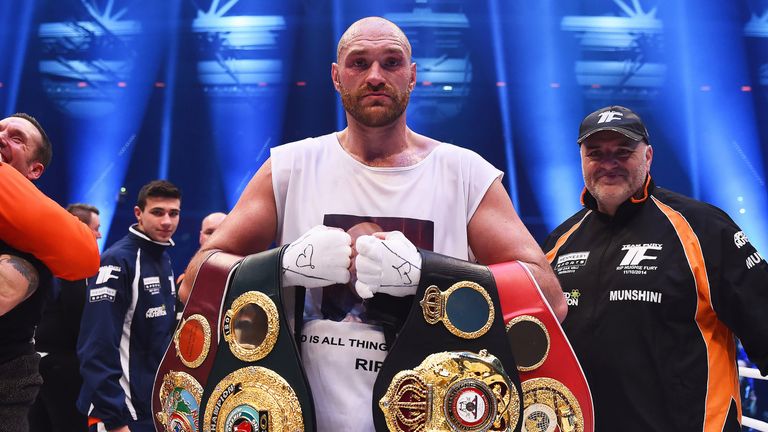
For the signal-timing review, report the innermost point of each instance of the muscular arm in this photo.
(249, 228)
(18, 281)
(33, 223)
(496, 235)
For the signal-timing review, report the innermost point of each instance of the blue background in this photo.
(197, 91)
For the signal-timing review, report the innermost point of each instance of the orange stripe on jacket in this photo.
(563, 238)
(722, 379)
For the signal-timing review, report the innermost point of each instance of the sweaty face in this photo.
(19, 141)
(160, 218)
(375, 76)
(614, 168)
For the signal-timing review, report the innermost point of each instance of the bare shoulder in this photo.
(496, 233)
(422, 145)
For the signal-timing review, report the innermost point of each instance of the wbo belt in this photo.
(233, 362)
(556, 395)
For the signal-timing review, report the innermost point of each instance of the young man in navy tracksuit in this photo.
(129, 317)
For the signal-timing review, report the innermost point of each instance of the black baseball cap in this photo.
(616, 118)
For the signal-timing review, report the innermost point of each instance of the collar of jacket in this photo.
(134, 232)
(627, 209)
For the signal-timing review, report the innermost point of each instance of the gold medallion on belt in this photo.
(180, 403)
(549, 405)
(254, 395)
(452, 391)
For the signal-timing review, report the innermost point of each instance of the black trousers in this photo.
(55, 410)
(19, 384)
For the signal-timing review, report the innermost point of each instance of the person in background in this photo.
(659, 284)
(129, 316)
(56, 341)
(36, 235)
(209, 225)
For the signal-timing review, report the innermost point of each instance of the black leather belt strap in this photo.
(419, 339)
(261, 272)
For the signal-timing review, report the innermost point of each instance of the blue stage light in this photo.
(619, 52)
(242, 69)
(545, 108)
(717, 119)
(19, 20)
(168, 96)
(89, 71)
(506, 118)
(438, 41)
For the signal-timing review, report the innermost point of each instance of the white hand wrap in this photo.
(320, 257)
(391, 266)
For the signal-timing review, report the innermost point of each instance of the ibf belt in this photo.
(184, 370)
(556, 395)
(453, 337)
(457, 391)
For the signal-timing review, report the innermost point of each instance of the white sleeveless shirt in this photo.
(317, 182)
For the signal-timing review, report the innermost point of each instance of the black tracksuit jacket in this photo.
(655, 296)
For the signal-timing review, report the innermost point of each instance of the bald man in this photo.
(444, 197)
(209, 225)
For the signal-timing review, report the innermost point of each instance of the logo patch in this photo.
(740, 239)
(753, 260)
(156, 312)
(104, 293)
(635, 295)
(609, 116)
(152, 284)
(572, 297)
(571, 262)
(636, 254)
(247, 418)
(105, 273)
(470, 405)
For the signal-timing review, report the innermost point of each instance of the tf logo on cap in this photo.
(615, 118)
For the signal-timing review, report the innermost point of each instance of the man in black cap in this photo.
(657, 285)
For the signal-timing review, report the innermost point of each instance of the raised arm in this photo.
(33, 223)
(496, 235)
(249, 228)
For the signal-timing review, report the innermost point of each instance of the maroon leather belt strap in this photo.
(199, 322)
(548, 367)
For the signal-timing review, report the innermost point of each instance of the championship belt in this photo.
(556, 395)
(251, 378)
(450, 368)
(184, 370)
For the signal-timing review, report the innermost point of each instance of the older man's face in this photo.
(19, 141)
(614, 168)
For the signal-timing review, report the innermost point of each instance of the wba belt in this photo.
(450, 367)
(233, 362)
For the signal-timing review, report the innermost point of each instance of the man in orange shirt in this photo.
(37, 238)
